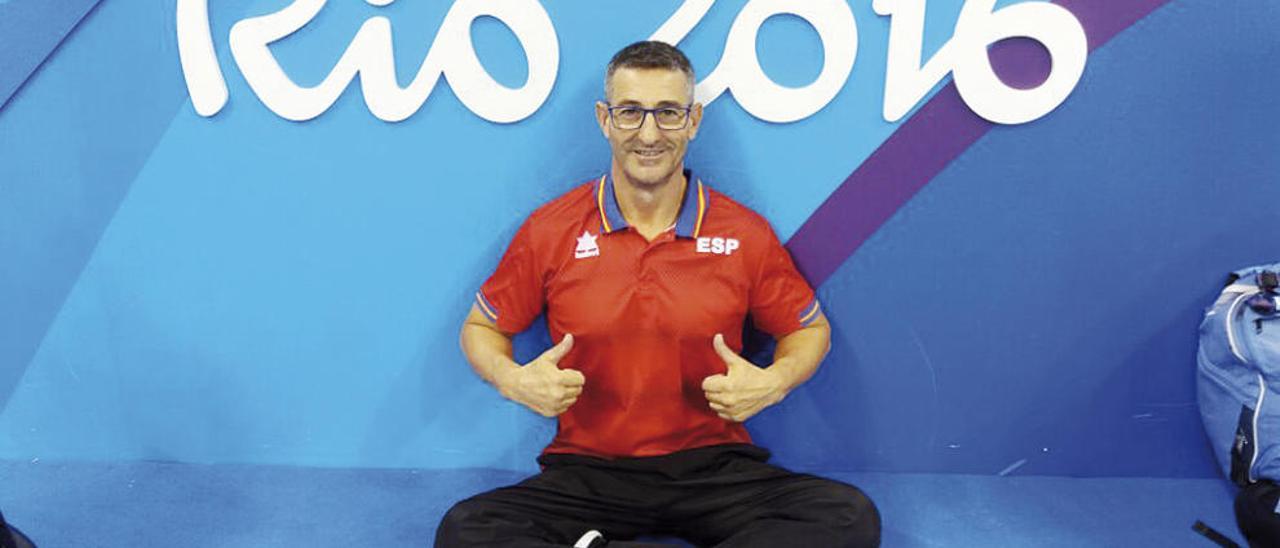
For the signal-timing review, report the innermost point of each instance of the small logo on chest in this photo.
(719, 246)
(586, 246)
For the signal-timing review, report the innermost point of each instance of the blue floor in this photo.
(168, 505)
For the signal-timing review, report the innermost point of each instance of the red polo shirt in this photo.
(643, 313)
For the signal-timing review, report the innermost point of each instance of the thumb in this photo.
(557, 352)
(726, 354)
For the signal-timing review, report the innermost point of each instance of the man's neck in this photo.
(651, 209)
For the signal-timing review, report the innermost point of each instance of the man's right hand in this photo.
(540, 384)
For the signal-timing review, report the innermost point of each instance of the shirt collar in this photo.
(693, 207)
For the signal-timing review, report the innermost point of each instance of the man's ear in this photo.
(602, 118)
(695, 120)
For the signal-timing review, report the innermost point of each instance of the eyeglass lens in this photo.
(633, 117)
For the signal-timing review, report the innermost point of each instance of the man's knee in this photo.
(452, 526)
(852, 512)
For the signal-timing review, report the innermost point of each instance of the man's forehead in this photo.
(649, 86)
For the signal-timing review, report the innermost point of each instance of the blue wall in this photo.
(241, 288)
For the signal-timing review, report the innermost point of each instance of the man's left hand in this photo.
(744, 389)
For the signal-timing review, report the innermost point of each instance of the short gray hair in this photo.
(650, 54)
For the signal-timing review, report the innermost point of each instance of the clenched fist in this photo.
(541, 385)
(744, 389)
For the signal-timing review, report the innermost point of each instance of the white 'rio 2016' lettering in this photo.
(370, 55)
(906, 83)
(965, 57)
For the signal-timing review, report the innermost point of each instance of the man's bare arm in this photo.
(487, 348)
(744, 389)
(539, 385)
(798, 354)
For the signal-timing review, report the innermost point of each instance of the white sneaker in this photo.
(590, 539)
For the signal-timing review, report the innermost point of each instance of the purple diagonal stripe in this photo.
(939, 132)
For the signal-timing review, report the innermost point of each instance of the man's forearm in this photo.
(799, 353)
(488, 351)
(541, 385)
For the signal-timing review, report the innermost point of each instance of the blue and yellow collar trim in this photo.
(693, 208)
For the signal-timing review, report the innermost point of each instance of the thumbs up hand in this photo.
(541, 385)
(744, 389)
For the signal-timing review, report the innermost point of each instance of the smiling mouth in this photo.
(648, 153)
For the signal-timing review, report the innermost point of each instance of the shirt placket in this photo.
(647, 277)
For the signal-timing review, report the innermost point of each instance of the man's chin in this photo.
(648, 177)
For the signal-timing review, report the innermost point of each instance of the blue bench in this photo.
(156, 504)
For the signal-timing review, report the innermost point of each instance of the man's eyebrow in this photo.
(635, 103)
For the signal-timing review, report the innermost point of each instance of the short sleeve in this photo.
(781, 300)
(513, 295)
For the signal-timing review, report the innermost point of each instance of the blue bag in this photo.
(1238, 375)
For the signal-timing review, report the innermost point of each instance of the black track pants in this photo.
(725, 496)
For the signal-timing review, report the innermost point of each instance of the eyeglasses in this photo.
(632, 117)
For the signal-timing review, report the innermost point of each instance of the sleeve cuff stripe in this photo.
(485, 307)
(811, 312)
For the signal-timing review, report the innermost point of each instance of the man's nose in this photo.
(649, 131)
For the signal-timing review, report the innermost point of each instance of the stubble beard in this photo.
(656, 180)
